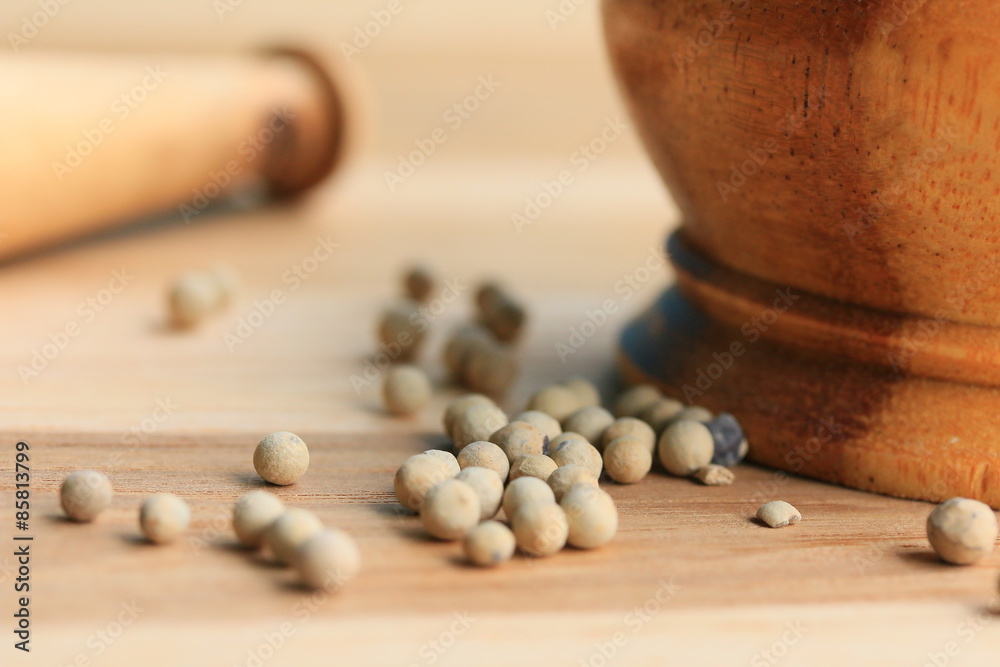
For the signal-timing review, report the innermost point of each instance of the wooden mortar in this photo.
(838, 269)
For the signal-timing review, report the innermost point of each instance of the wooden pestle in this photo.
(93, 140)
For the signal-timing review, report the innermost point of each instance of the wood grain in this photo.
(855, 578)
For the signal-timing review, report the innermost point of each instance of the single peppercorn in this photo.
(627, 459)
(488, 487)
(450, 510)
(555, 400)
(485, 454)
(540, 528)
(289, 531)
(163, 517)
(686, 446)
(962, 531)
(478, 422)
(488, 544)
(591, 422)
(406, 390)
(253, 513)
(418, 475)
(574, 448)
(328, 559)
(591, 516)
(85, 494)
(632, 427)
(281, 458)
(518, 439)
(525, 490)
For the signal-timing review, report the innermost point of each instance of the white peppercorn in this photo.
(460, 405)
(574, 448)
(478, 422)
(540, 529)
(401, 330)
(523, 491)
(518, 439)
(289, 531)
(566, 477)
(627, 459)
(192, 297)
(489, 368)
(715, 475)
(450, 509)
(456, 351)
(281, 458)
(591, 515)
(85, 494)
(962, 531)
(418, 475)
(662, 413)
(328, 559)
(488, 544)
(533, 465)
(163, 517)
(499, 312)
(485, 454)
(634, 400)
(447, 458)
(418, 283)
(547, 424)
(633, 427)
(488, 487)
(555, 400)
(406, 390)
(778, 513)
(585, 390)
(253, 513)
(686, 446)
(591, 422)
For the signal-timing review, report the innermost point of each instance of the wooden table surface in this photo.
(689, 580)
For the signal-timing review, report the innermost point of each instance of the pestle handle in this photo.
(93, 140)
